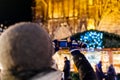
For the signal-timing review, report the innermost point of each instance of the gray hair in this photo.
(24, 46)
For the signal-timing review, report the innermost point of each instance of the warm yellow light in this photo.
(56, 15)
(91, 27)
(70, 14)
(91, 24)
(90, 2)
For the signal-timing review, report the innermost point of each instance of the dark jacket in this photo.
(85, 70)
(67, 66)
(66, 69)
(111, 74)
(99, 73)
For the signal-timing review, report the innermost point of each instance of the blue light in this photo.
(93, 39)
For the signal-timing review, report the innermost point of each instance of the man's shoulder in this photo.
(53, 75)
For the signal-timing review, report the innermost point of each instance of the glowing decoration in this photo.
(93, 39)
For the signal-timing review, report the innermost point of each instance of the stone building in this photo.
(78, 15)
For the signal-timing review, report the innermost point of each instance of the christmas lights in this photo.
(93, 39)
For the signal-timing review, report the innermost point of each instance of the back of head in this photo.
(25, 46)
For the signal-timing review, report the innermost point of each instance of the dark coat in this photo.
(99, 72)
(67, 66)
(86, 72)
(66, 69)
(111, 74)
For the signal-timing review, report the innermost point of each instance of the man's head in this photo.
(100, 63)
(25, 46)
(65, 58)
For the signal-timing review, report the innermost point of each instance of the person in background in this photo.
(111, 74)
(99, 73)
(66, 69)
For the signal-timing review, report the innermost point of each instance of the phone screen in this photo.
(63, 44)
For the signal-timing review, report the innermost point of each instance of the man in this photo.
(26, 52)
(99, 72)
(111, 74)
(66, 69)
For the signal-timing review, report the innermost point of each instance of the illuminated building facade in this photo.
(78, 15)
(66, 17)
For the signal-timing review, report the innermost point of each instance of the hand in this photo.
(75, 51)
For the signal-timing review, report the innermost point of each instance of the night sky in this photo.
(12, 11)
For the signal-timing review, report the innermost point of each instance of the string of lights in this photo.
(93, 39)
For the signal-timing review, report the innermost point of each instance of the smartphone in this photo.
(63, 43)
